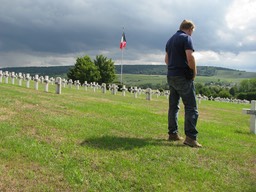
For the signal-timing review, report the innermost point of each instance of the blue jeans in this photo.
(182, 88)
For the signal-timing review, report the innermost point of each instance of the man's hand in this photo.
(191, 62)
(166, 58)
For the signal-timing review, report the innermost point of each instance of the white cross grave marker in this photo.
(46, 81)
(20, 77)
(41, 79)
(148, 94)
(135, 92)
(77, 84)
(13, 76)
(58, 85)
(93, 85)
(252, 112)
(1, 76)
(166, 93)
(157, 93)
(64, 81)
(124, 89)
(70, 82)
(52, 80)
(114, 89)
(6, 75)
(36, 79)
(139, 91)
(85, 85)
(104, 88)
(28, 78)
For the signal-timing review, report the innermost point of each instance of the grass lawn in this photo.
(90, 141)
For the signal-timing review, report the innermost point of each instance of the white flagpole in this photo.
(122, 68)
(121, 81)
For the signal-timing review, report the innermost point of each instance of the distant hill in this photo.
(202, 71)
(53, 71)
(134, 69)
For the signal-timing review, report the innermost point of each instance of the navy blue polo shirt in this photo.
(176, 47)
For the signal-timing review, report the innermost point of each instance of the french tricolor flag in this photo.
(123, 41)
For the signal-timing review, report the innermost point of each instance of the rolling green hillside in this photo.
(136, 69)
(90, 141)
(202, 71)
(50, 71)
(153, 76)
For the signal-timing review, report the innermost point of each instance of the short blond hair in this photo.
(187, 24)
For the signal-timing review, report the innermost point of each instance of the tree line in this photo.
(246, 89)
(62, 71)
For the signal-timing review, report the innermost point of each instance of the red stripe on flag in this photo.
(123, 41)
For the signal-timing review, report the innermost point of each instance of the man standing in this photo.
(181, 74)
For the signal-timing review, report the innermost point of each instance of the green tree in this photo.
(233, 91)
(252, 86)
(206, 91)
(84, 70)
(224, 94)
(215, 89)
(106, 69)
(199, 88)
(244, 86)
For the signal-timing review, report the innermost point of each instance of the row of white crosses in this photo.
(113, 88)
(62, 83)
(28, 78)
(227, 100)
(95, 86)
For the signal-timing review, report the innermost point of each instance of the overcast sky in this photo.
(56, 32)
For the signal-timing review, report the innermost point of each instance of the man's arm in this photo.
(191, 61)
(166, 58)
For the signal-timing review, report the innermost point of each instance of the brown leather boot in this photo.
(175, 137)
(192, 143)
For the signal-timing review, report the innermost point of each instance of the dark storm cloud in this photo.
(66, 29)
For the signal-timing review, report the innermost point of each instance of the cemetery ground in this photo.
(86, 141)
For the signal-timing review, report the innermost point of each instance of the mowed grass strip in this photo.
(90, 141)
